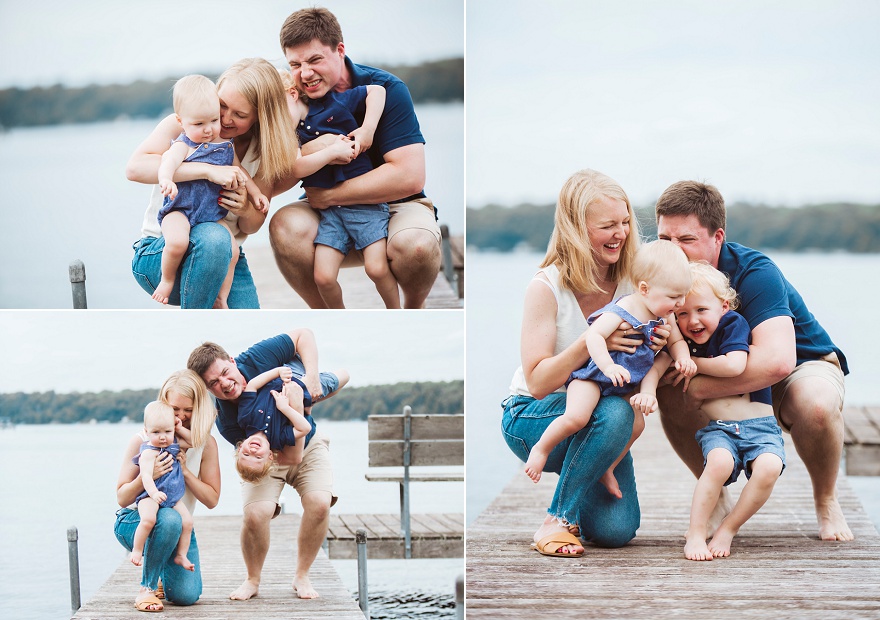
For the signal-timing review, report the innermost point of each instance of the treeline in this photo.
(435, 81)
(826, 227)
(348, 404)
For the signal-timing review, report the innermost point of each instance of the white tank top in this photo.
(570, 321)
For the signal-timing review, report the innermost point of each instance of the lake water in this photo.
(72, 482)
(66, 197)
(833, 285)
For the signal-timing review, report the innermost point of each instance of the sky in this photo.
(104, 41)
(771, 101)
(70, 351)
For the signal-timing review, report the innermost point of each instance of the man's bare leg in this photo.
(812, 409)
(312, 531)
(254, 546)
(681, 421)
(292, 232)
(415, 262)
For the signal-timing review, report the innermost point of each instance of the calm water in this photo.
(66, 198)
(833, 286)
(73, 482)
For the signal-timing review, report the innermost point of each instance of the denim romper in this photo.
(638, 364)
(197, 199)
(171, 484)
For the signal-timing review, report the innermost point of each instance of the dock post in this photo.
(407, 459)
(77, 273)
(459, 597)
(361, 538)
(73, 560)
(446, 249)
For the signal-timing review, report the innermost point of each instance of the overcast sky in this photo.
(107, 41)
(772, 101)
(97, 350)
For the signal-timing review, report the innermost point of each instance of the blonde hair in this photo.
(248, 474)
(194, 90)
(190, 385)
(273, 131)
(705, 275)
(569, 247)
(157, 412)
(661, 262)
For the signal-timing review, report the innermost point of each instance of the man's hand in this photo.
(313, 385)
(319, 197)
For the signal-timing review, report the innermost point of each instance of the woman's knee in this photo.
(615, 416)
(168, 528)
(616, 536)
(211, 238)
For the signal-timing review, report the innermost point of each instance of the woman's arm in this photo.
(206, 486)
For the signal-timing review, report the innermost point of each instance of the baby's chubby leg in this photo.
(186, 522)
(608, 480)
(223, 293)
(175, 231)
(580, 401)
(719, 466)
(148, 508)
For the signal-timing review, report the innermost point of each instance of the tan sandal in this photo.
(160, 591)
(552, 543)
(147, 599)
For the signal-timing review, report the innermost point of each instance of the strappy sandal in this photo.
(147, 599)
(552, 543)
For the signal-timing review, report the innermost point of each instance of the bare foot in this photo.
(163, 291)
(832, 523)
(551, 525)
(610, 482)
(722, 509)
(137, 557)
(535, 464)
(303, 588)
(245, 591)
(183, 561)
(695, 547)
(720, 543)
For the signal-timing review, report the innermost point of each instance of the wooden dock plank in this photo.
(223, 570)
(778, 566)
(358, 290)
(438, 535)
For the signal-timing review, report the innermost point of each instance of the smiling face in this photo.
(182, 407)
(693, 238)
(698, 317)
(316, 68)
(254, 457)
(224, 379)
(608, 225)
(237, 115)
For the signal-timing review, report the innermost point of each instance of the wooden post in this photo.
(459, 597)
(363, 600)
(73, 561)
(77, 273)
(407, 459)
(448, 267)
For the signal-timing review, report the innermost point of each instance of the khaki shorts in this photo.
(315, 473)
(415, 214)
(826, 367)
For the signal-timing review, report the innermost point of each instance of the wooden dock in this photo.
(358, 290)
(861, 441)
(433, 536)
(223, 570)
(777, 568)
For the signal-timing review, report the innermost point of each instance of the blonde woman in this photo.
(587, 266)
(253, 111)
(186, 394)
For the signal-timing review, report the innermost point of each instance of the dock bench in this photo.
(861, 441)
(404, 449)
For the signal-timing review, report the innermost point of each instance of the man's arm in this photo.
(771, 358)
(402, 175)
(307, 349)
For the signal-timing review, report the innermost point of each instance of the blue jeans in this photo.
(580, 460)
(201, 272)
(182, 587)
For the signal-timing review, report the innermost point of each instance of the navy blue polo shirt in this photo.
(257, 412)
(764, 293)
(334, 113)
(732, 334)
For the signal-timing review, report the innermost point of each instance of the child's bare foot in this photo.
(832, 523)
(695, 547)
(163, 291)
(720, 543)
(535, 464)
(610, 482)
(137, 557)
(183, 561)
(220, 304)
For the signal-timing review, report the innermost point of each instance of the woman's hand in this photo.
(660, 337)
(162, 465)
(620, 339)
(234, 200)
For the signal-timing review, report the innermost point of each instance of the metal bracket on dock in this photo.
(363, 601)
(77, 273)
(73, 560)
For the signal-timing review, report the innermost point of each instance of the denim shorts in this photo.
(356, 226)
(746, 440)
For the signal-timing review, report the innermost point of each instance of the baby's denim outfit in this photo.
(197, 199)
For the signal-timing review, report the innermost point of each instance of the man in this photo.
(226, 378)
(789, 351)
(312, 43)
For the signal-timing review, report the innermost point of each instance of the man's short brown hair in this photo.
(306, 25)
(694, 198)
(204, 356)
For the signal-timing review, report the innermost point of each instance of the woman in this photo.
(590, 253)
(185, 392)
(254, 112)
